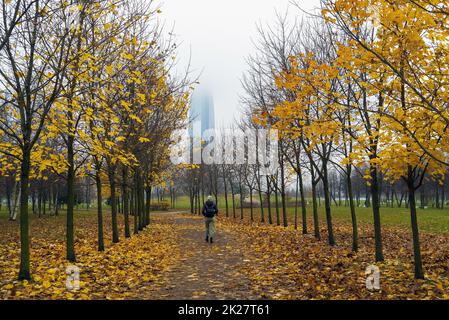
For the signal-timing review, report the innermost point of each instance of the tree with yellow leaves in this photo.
(309, 112)
(408, 55)
(78, 95)
(411, 33)
(32, 79)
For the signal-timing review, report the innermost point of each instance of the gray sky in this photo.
(217, 34)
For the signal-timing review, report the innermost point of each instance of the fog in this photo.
(217, 35)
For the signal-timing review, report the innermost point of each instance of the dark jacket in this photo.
(210, 209)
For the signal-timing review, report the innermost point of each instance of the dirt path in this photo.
(206, 271)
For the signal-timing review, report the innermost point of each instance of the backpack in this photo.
(209, 211)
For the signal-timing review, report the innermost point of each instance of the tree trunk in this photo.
(296, 201)
(376, 213)
(33, 201)
(233, 202)
(199, 202)
(125, 197)
(241, 196)
(134, 207)
(24, 271)
(262, 213)
(367, 197)
(99, 211)
(251, 204)
(140, 197)
(355, 236)
(276, 199)
(283, 201)
(419, 274)
(303, 202)
(192, 199)
(226, 193)
(70, 199)
(270, 216)
(195, 201)
(327, 205)
(316, 223)
(56, 203)
(17, 195)
(111, 172)
(442, 194)
(148, 205)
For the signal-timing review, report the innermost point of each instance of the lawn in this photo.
(430, 220)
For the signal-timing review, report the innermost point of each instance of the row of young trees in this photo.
(233, 185)
(362, 85)
(356, 90)
(87, 92)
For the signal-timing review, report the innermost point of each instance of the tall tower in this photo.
(202, 113)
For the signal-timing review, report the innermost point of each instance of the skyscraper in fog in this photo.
(202, 113)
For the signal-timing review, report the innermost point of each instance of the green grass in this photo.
(3, 214)
(430, 220)
(92, 210)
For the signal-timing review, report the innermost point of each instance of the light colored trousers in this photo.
(210, 227)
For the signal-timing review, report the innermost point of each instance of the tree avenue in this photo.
(352, 100)
(367, 90)
(74, 103)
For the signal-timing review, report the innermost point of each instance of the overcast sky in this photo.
(217, 34)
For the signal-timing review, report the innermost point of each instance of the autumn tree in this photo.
(31, 77)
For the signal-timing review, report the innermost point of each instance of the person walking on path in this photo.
(209, 212)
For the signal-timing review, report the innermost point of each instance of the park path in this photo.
(206, 271)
